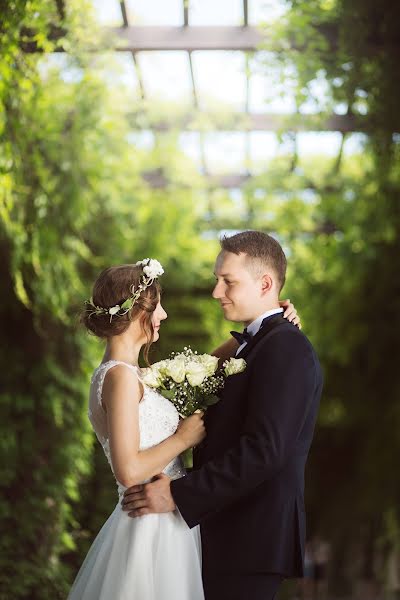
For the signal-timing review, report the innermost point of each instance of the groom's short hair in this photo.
(261, 248)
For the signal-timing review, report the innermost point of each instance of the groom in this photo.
(247, 486)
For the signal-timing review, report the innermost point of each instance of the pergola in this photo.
(245, 38)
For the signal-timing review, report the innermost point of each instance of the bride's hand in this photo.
(290, 312)
(191, 430)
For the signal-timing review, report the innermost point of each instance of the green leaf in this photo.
(210, 400)
(127, 305)
(169, 394)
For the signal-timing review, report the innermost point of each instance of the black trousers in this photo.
(248, 586)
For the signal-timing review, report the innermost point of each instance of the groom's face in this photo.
(237, 289)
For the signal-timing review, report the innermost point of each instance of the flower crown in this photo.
(152, 269)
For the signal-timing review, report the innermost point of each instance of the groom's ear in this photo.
(266, 283)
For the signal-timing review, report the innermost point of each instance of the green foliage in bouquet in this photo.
(190, 380)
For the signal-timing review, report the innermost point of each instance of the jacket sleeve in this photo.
(282, 387)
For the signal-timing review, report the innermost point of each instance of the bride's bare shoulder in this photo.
(120, 382)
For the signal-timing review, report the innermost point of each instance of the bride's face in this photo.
(158, 315)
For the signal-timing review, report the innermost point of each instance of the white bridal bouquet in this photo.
(191, 380)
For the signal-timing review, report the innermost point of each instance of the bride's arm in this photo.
(120, 397)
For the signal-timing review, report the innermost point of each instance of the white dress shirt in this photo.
(255, 325)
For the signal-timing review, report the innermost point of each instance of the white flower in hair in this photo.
(151, 270)
(151, 267)
(114, 309)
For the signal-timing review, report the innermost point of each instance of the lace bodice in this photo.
(158, 419)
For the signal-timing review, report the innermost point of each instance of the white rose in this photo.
(114, 309)
(175, 368)
(209, 362)
(151, 377)
(153, 269)
(160, 367)
(195, 373)
(233, 366)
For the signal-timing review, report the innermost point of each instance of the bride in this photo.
(156, 556)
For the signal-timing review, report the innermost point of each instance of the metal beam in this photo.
(187, 37)
(124, 13)
(151, 38)
(247, 107)
(185, 12)
(198, 121)
(245, 12)
(157, 179)
(227, 181)
(298, 122)
(193, 80)
(138, 39)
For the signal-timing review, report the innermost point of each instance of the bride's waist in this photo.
(174, 470)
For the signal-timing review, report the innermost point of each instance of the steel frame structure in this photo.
(244, 38)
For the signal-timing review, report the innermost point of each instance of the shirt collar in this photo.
(255, 325)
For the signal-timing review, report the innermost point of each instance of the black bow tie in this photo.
(245, 336)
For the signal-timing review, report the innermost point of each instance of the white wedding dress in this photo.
(153, 557)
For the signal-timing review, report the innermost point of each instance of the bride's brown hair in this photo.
(112, 287)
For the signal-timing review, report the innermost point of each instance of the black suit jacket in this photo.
(247, 486)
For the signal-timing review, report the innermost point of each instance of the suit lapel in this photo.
(269, 325)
